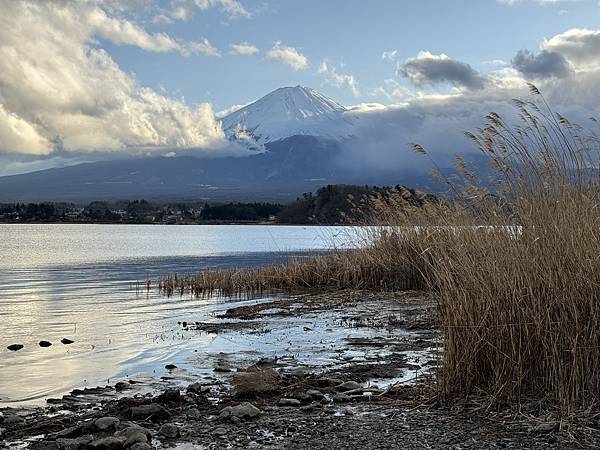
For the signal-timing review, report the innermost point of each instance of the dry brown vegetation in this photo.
(513, 261)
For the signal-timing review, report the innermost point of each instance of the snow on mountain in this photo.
(285, 112)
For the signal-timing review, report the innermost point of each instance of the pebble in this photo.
(107, 423)
(141, 446)
(341, 398)
(315, 394)
(193, 413)
(289, 402)
(15, 347)
(330, 381)
(220, 431)
(169, 430)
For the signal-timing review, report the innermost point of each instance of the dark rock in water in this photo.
(15, 347)
(108, 443)
(45, 344)
(151, 411)
(107, 423)
(66, 341)
(184, 324)
(170, 367)
(169, 430)
(222, 369)
(121, 386)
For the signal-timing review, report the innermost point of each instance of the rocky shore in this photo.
(378, 396)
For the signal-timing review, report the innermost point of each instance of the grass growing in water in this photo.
(519, 298)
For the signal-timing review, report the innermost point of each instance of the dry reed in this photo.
(520, 299)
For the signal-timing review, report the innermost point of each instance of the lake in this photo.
(84, 283)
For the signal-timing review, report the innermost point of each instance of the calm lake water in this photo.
(83, 282)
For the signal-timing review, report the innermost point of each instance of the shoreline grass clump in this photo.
(519, 297)
(387, 263)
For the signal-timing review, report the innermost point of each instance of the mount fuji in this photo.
(294, 139)
(286, 112)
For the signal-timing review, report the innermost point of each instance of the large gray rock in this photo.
(289, 402)
(244, 410)
(135, 434)
(107, 423)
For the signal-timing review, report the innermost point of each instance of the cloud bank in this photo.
(60, 92)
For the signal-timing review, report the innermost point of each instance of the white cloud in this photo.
(287, 55)
(332, 77)
(243, 48)
(391, 55)
(202, 47)
(227, 111)
(184, 9)
(59, 92)
(580, 46)
(541, 2)
(393, 91)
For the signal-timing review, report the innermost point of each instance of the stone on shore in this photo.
(169, 430)
(107, 423)
(150, 411)
(108, 443)
(244, 410)
(289, 402)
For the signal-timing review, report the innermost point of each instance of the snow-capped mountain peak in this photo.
(286, 112)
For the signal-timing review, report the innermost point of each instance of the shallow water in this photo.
(82, 282)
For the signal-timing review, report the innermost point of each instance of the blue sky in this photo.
(351, 35)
